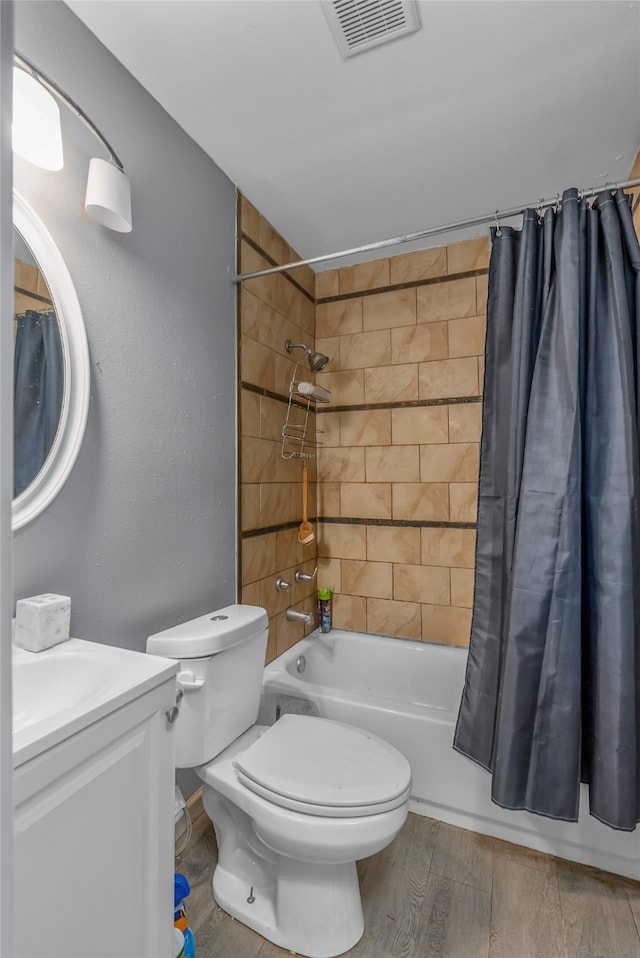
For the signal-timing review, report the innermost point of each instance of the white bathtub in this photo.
(408, 693)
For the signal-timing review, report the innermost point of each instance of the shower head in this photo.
(317, 361)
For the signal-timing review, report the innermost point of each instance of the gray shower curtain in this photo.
(38, 383)
(552, 690)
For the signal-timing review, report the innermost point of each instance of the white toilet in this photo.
(294, 805)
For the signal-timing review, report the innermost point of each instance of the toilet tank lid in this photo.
(210, 633)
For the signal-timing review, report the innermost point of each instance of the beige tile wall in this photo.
(30, 288)
(400, 454)
(397, 463)
(270, 311)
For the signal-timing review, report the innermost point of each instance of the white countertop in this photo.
(61, 690)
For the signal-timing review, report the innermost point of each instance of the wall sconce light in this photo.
(37, 134)
(37, 137)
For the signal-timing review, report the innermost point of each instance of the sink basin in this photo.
(60, 690)
(43, 687)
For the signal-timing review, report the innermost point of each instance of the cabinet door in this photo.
(92, 869)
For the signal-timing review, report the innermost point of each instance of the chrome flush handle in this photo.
(172, 713)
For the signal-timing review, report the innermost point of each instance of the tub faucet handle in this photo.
(282, 585)
(301, 576)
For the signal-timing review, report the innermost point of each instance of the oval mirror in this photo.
(51, 368)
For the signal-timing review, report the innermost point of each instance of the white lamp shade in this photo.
(37, 135)
(108, 197)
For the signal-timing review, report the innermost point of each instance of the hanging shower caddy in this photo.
(296, 442)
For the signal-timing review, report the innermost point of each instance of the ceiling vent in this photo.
(359, 25)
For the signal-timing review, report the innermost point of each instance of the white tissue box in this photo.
(42, 621)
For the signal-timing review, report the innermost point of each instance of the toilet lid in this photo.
(317, 762)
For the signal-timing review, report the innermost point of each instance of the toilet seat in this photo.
(321, 767)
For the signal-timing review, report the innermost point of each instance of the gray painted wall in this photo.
(143, 535)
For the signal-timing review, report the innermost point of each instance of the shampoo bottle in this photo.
(324, 610)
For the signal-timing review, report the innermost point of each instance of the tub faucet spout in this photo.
(294, 615)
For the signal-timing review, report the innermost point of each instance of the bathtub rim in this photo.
(280, 666)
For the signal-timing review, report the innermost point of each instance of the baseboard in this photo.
(199, 820)
(195, 806)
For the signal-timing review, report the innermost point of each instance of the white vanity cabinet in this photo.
(94, 831)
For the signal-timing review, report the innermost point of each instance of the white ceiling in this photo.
(491, 105)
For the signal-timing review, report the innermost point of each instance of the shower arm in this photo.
(289, 346)
(317, 361)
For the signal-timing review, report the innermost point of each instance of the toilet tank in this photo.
(221, 664)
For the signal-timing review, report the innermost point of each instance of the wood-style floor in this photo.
(442, 892)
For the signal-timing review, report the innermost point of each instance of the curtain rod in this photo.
(423, 234)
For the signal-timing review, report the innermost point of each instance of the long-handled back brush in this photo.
(305, 532)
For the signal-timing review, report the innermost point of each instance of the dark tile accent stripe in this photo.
(360, 407)
(337, 520)
(261, 391)
(258, 249)
(406, 404)
(430, 281)
(278, 527)
(398, 523)
(27, 292)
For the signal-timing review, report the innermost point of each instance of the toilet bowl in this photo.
(286, 864)
(294, 805)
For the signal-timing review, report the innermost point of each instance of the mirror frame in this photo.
(77, 379)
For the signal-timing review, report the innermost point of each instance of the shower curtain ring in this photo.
(540, 208)
(556, 206)
(588, 195)
(498, 230)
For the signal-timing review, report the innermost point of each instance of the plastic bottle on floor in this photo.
(181, 891)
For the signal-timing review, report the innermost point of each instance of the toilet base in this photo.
(314, 910)
(287, 875)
